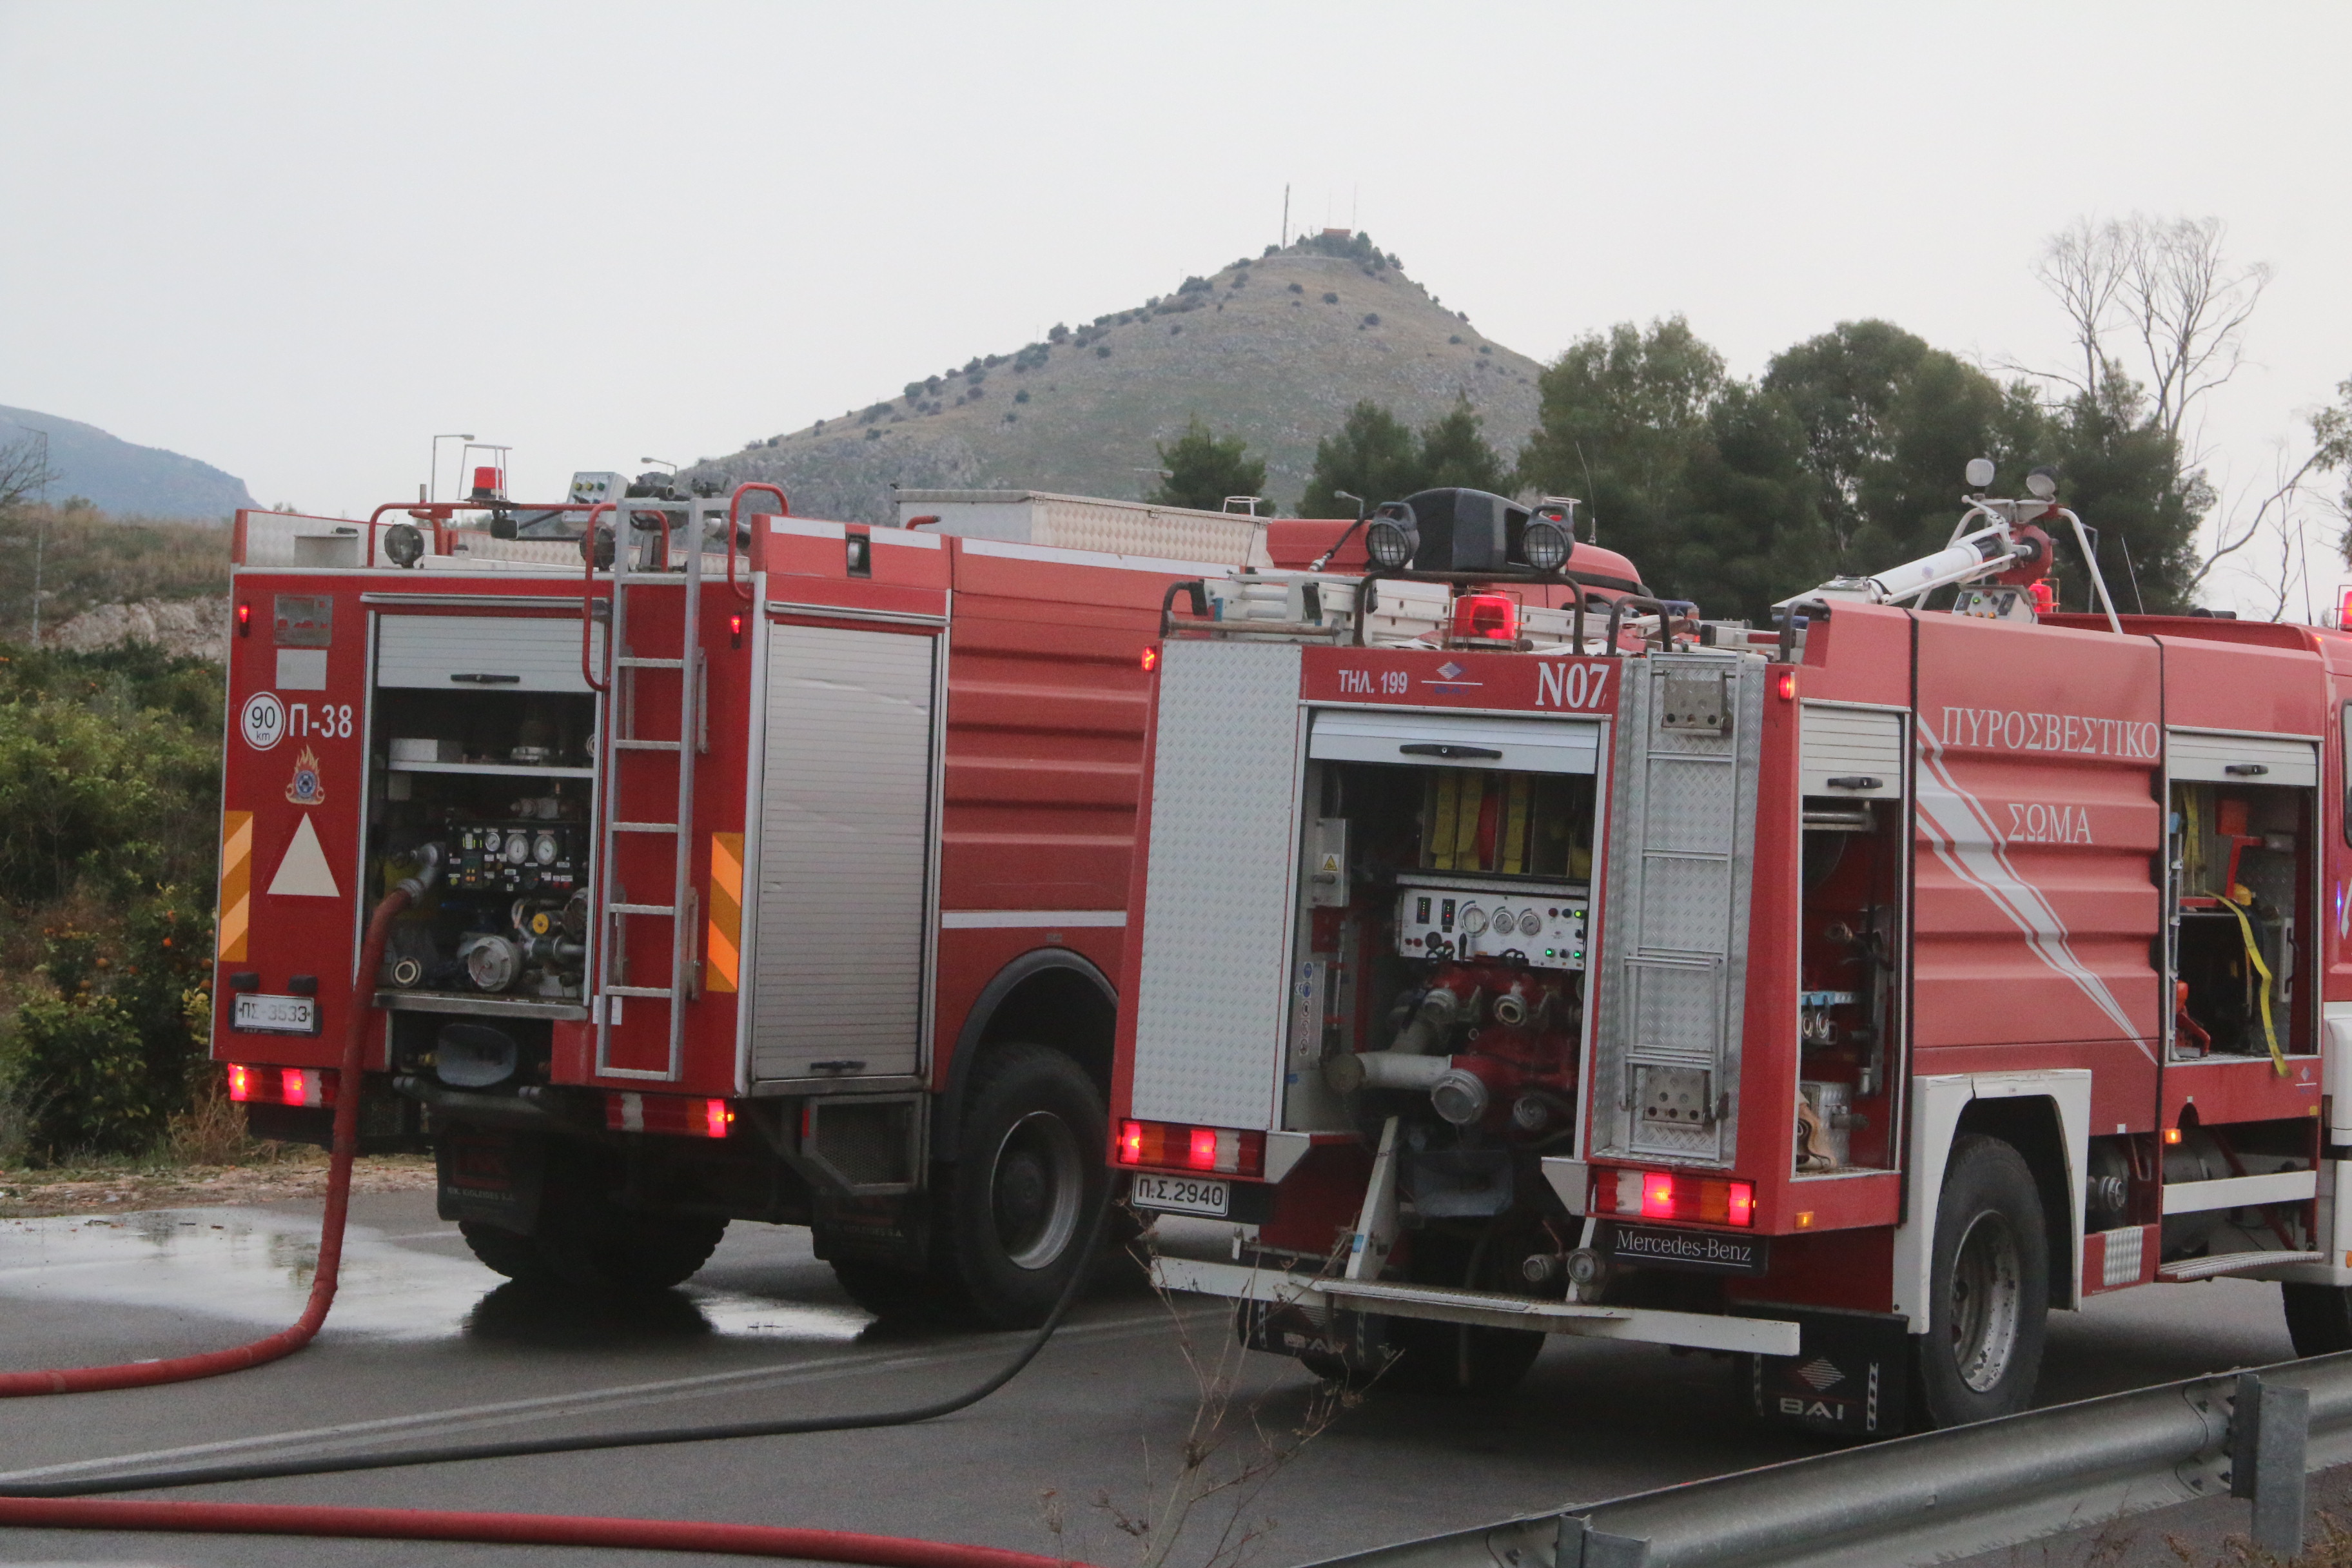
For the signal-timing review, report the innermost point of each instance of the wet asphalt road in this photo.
(426, 1346)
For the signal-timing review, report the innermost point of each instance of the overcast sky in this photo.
(298, 240)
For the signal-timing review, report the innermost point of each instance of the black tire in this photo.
(1988, 1289)
(624, 1253)
(1012, 1221)
(1457, 1359)
(2318, 1318)
(591, 1243)
(515, 1257)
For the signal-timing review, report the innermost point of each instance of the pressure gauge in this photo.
(491, 841)
(1474, 919)
(1530, 922)
(518, 849)
(1504, 920)
(543, 850)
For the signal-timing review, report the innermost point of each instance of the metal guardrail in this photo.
(1950, 1494)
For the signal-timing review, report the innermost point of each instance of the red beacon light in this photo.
(487, 483)
(1486, 617)
(2343, 612)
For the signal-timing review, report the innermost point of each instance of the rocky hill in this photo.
(1274, 348)
(128, 480)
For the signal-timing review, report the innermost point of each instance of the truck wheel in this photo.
(2318, 1318)
(1458, 1358)
(1989, 1287)
(1027, 1177)
(515, 1257)
(627, 1253)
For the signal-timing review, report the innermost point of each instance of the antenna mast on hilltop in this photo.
(1285, 218)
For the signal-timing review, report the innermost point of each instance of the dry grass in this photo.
(90, 558)
(278, 1173)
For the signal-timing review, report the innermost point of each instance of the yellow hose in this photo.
(2254, 957)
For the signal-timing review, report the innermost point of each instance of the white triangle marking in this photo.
(304, 873)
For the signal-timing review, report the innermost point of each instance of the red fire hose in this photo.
(286, 1340)
(67, 1512)
(509, 1530)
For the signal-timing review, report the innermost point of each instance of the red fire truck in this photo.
(1522, 955)
(777, 868)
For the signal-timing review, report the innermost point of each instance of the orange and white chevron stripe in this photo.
(723, 969)
(235, 883)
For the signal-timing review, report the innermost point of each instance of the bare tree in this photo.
(25, 472)
(2279, 517)
(2155, 299)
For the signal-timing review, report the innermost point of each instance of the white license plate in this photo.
(275, 1015)
(1185, 1194)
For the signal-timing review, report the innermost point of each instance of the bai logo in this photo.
(2036, 823)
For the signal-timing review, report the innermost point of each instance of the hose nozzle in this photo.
(428, 870)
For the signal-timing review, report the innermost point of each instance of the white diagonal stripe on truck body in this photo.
(1965, 840)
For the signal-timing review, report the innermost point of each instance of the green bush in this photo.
(100, 1064)
(110, 768)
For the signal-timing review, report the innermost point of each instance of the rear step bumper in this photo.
(2226, 1263)
(1698, 1331)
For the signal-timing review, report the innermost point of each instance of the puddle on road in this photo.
(255, 1267)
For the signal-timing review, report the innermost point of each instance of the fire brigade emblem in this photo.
(1449, 669)
(305, 789)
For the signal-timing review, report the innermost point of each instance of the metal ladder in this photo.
(622, 745)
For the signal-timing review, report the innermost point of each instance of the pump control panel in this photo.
(519, 858)
(1542, 924)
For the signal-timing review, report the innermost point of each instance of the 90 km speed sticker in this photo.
(262, 721)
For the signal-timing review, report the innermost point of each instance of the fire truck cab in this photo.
(1521, 955)
(776, 867)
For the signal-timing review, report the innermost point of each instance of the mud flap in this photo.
(1851, 1376)
(492, 1177)
(1355, 1341)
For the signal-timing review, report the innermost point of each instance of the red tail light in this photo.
(627, 1111)
(1167, 1146)
(281, 1086)
(1486, 617)
(1151, 656)
(244, 620)
(1657, 1198)
(1662, 1194)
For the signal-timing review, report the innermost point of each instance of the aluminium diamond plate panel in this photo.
(1673, 954)
(1211, 990)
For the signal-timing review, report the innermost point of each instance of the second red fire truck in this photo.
(1520, 954)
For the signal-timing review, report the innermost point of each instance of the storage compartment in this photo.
(1438, 964)
(2241, 877)
(498, 773)
(1849, 980)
